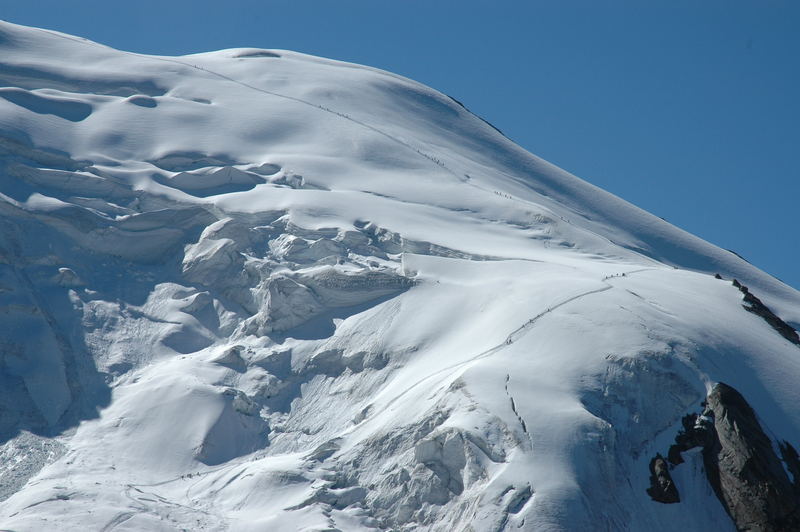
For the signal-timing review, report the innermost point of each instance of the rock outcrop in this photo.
(744, 470)
(740, 462)
(754, 305)
(662, 488)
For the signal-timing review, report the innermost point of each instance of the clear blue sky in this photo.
(689, 110)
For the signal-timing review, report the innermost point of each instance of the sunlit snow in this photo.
(260, 290)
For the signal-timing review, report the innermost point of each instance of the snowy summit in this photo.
(256, 290)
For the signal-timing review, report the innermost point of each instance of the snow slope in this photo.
(259, 290)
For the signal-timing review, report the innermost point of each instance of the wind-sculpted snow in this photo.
(259, 290)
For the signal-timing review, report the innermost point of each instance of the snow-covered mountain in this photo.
(259, 290)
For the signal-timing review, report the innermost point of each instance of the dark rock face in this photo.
(662, 488)
(744, 470)
(792, 461)
(740, 463)
(698, 431)
(754, 305)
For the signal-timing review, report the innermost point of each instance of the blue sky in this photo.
(689, 110)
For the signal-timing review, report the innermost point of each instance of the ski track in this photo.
(367, 421)
(515, 335)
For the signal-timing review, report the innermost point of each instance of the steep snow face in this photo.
(259, 290)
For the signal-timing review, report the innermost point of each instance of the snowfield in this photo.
(259, 290)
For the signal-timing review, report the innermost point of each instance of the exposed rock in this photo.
(740, 463)
(792, 461)
(754, 305)
(662, 488)
(698, 431)
(744, 470)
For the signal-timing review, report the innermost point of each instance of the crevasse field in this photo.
(260, 290)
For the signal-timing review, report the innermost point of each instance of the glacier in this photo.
(259, 290)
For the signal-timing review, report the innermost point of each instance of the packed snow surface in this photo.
(260, 290)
